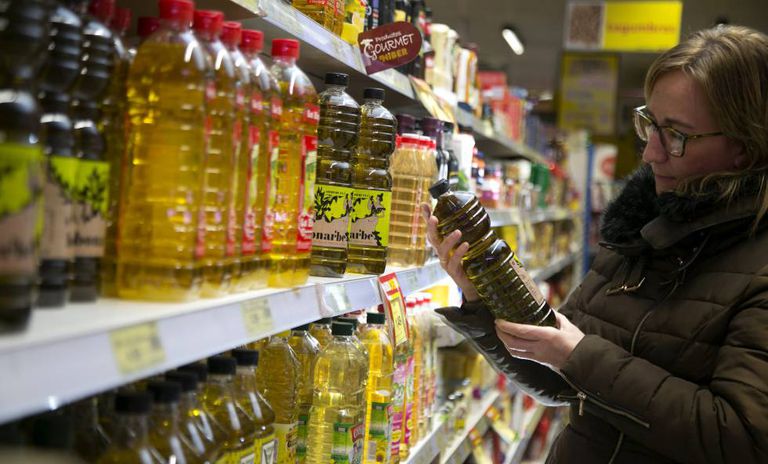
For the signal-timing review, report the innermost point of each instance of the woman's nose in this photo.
(654, 151)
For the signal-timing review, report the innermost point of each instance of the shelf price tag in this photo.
(337, 298)
(394, 305)
(257, 317)
(137, 348)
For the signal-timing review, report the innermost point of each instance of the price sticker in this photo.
(411, 280)
(337, 298)
(394, 304)
(257, 317)
(137, 348)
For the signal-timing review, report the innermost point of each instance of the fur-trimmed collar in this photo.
(637, 205)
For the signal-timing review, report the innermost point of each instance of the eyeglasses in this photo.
(672, 139)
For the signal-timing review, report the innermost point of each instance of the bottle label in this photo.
(301, 437)
(286, 442)
(271, 189)
(332, 206)
(311, 114)
(249, 223)
(58, 240)
(379, 433)
(21, 207)
(369, 218)
(306, 193)
(91, 186)
(530, 285)
(408, 413)
(347, 443)
(265, 450)
(276, 108)
(398, 400)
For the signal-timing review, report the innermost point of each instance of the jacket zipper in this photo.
(583, 397)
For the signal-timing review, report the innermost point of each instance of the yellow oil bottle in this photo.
(195, 425)
(278, 381)
(322, 11)
(265, 111)
(372, 187)
(336, 420)
(406, 169)
(429, 174)
(130, 438)
(165, 434)
(403, 358)
(247, 394)
(378, 415)
(414, 383)
(336, 141)
(306, 348)
(321, 330)
(159, 226)
(292, 176)
(219, 401)
(220, 168)
(354, 20)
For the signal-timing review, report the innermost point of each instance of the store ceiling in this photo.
(540, 24)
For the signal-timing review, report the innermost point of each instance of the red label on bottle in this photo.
(269, 213)
(257, 102)
(276, 107)
(311, 114)
(306, 193)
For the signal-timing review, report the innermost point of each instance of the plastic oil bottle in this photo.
(372, 184)
(92, 181)
(306, 348)
(321, 330)
(293, 173)
(403, 356)
(278, 380)
(407, 184)
(219, 401)
(336, 142)
(130, 439)
(415, 383)
(429, 173)
(161, 234)
(112, 126)
(354, 20)
(500, 279)
(195, 426)
(336, 420)
(262, 416)
(265, 111)
(221, 157)
(57, 245)
(90, 440)
(378, 415)
(165, 434)
(322, 11)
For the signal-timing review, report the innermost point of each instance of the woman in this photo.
(662, 351)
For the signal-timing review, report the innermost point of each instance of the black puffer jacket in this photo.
(674, 365)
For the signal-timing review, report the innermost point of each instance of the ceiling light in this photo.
(512, 40)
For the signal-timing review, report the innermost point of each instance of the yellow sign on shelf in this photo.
(642, 26)
(137, 348)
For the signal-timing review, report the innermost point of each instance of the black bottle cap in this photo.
(374, 93)
(164, 391)
(348, 320)
(222, 365)
(376, 318)
(303, 327)
(133, 402)
(187, 380)
(342, 328)
(439, 188)
(447, 126)
(199, 369)
(246, 357)
(333, 78)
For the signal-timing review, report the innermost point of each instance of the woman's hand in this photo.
(450, 258)
(546, 345)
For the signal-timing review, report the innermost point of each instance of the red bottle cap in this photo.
(146, 25)
(102, 9)
(208, 21)
(285, 47)
(252, 41)
(231, 33)
(121, 20)
(181, 10)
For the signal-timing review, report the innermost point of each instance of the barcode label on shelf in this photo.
(257, 317)
(137, 348)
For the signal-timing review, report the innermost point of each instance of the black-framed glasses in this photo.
(672, 139)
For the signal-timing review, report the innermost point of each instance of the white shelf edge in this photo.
(515, 216)
(531, 421)
(457, 452)
(67, 354)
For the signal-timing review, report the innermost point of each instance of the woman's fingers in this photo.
(517, 345)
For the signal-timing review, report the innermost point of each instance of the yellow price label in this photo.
(137, 348)
(257, 317)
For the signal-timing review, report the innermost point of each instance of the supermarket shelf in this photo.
(459, 449)
(514, 216)
(67, 354)
(497, 145)
(531, 420)
(557, 265)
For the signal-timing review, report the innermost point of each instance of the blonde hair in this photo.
(730, 63)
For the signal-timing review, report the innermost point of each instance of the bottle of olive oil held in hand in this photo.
(336, 142)
(372, 187)
(491, 265)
